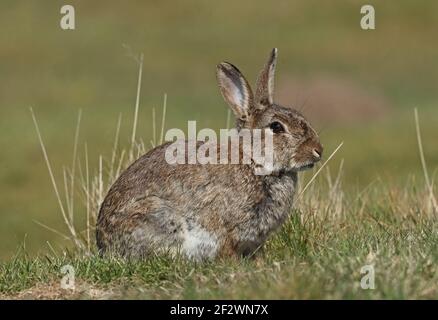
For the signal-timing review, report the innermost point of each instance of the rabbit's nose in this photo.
(317, 152)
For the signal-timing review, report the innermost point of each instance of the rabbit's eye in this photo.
(276, 127)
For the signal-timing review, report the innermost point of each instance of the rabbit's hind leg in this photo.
(148, 225)
(198, 243)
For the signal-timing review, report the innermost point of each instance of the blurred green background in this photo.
(357, 86)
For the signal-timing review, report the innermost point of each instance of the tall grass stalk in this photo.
(137, 105)
(423, 163)
(68, 223)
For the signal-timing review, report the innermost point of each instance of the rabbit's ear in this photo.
(235, 89)
(265, 82)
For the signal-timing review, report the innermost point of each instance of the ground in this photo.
(325, 250)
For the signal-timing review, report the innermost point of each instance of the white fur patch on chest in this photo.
(198, 243)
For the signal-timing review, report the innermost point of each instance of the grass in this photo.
(319, 253)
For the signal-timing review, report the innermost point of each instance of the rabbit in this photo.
(208, 211)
